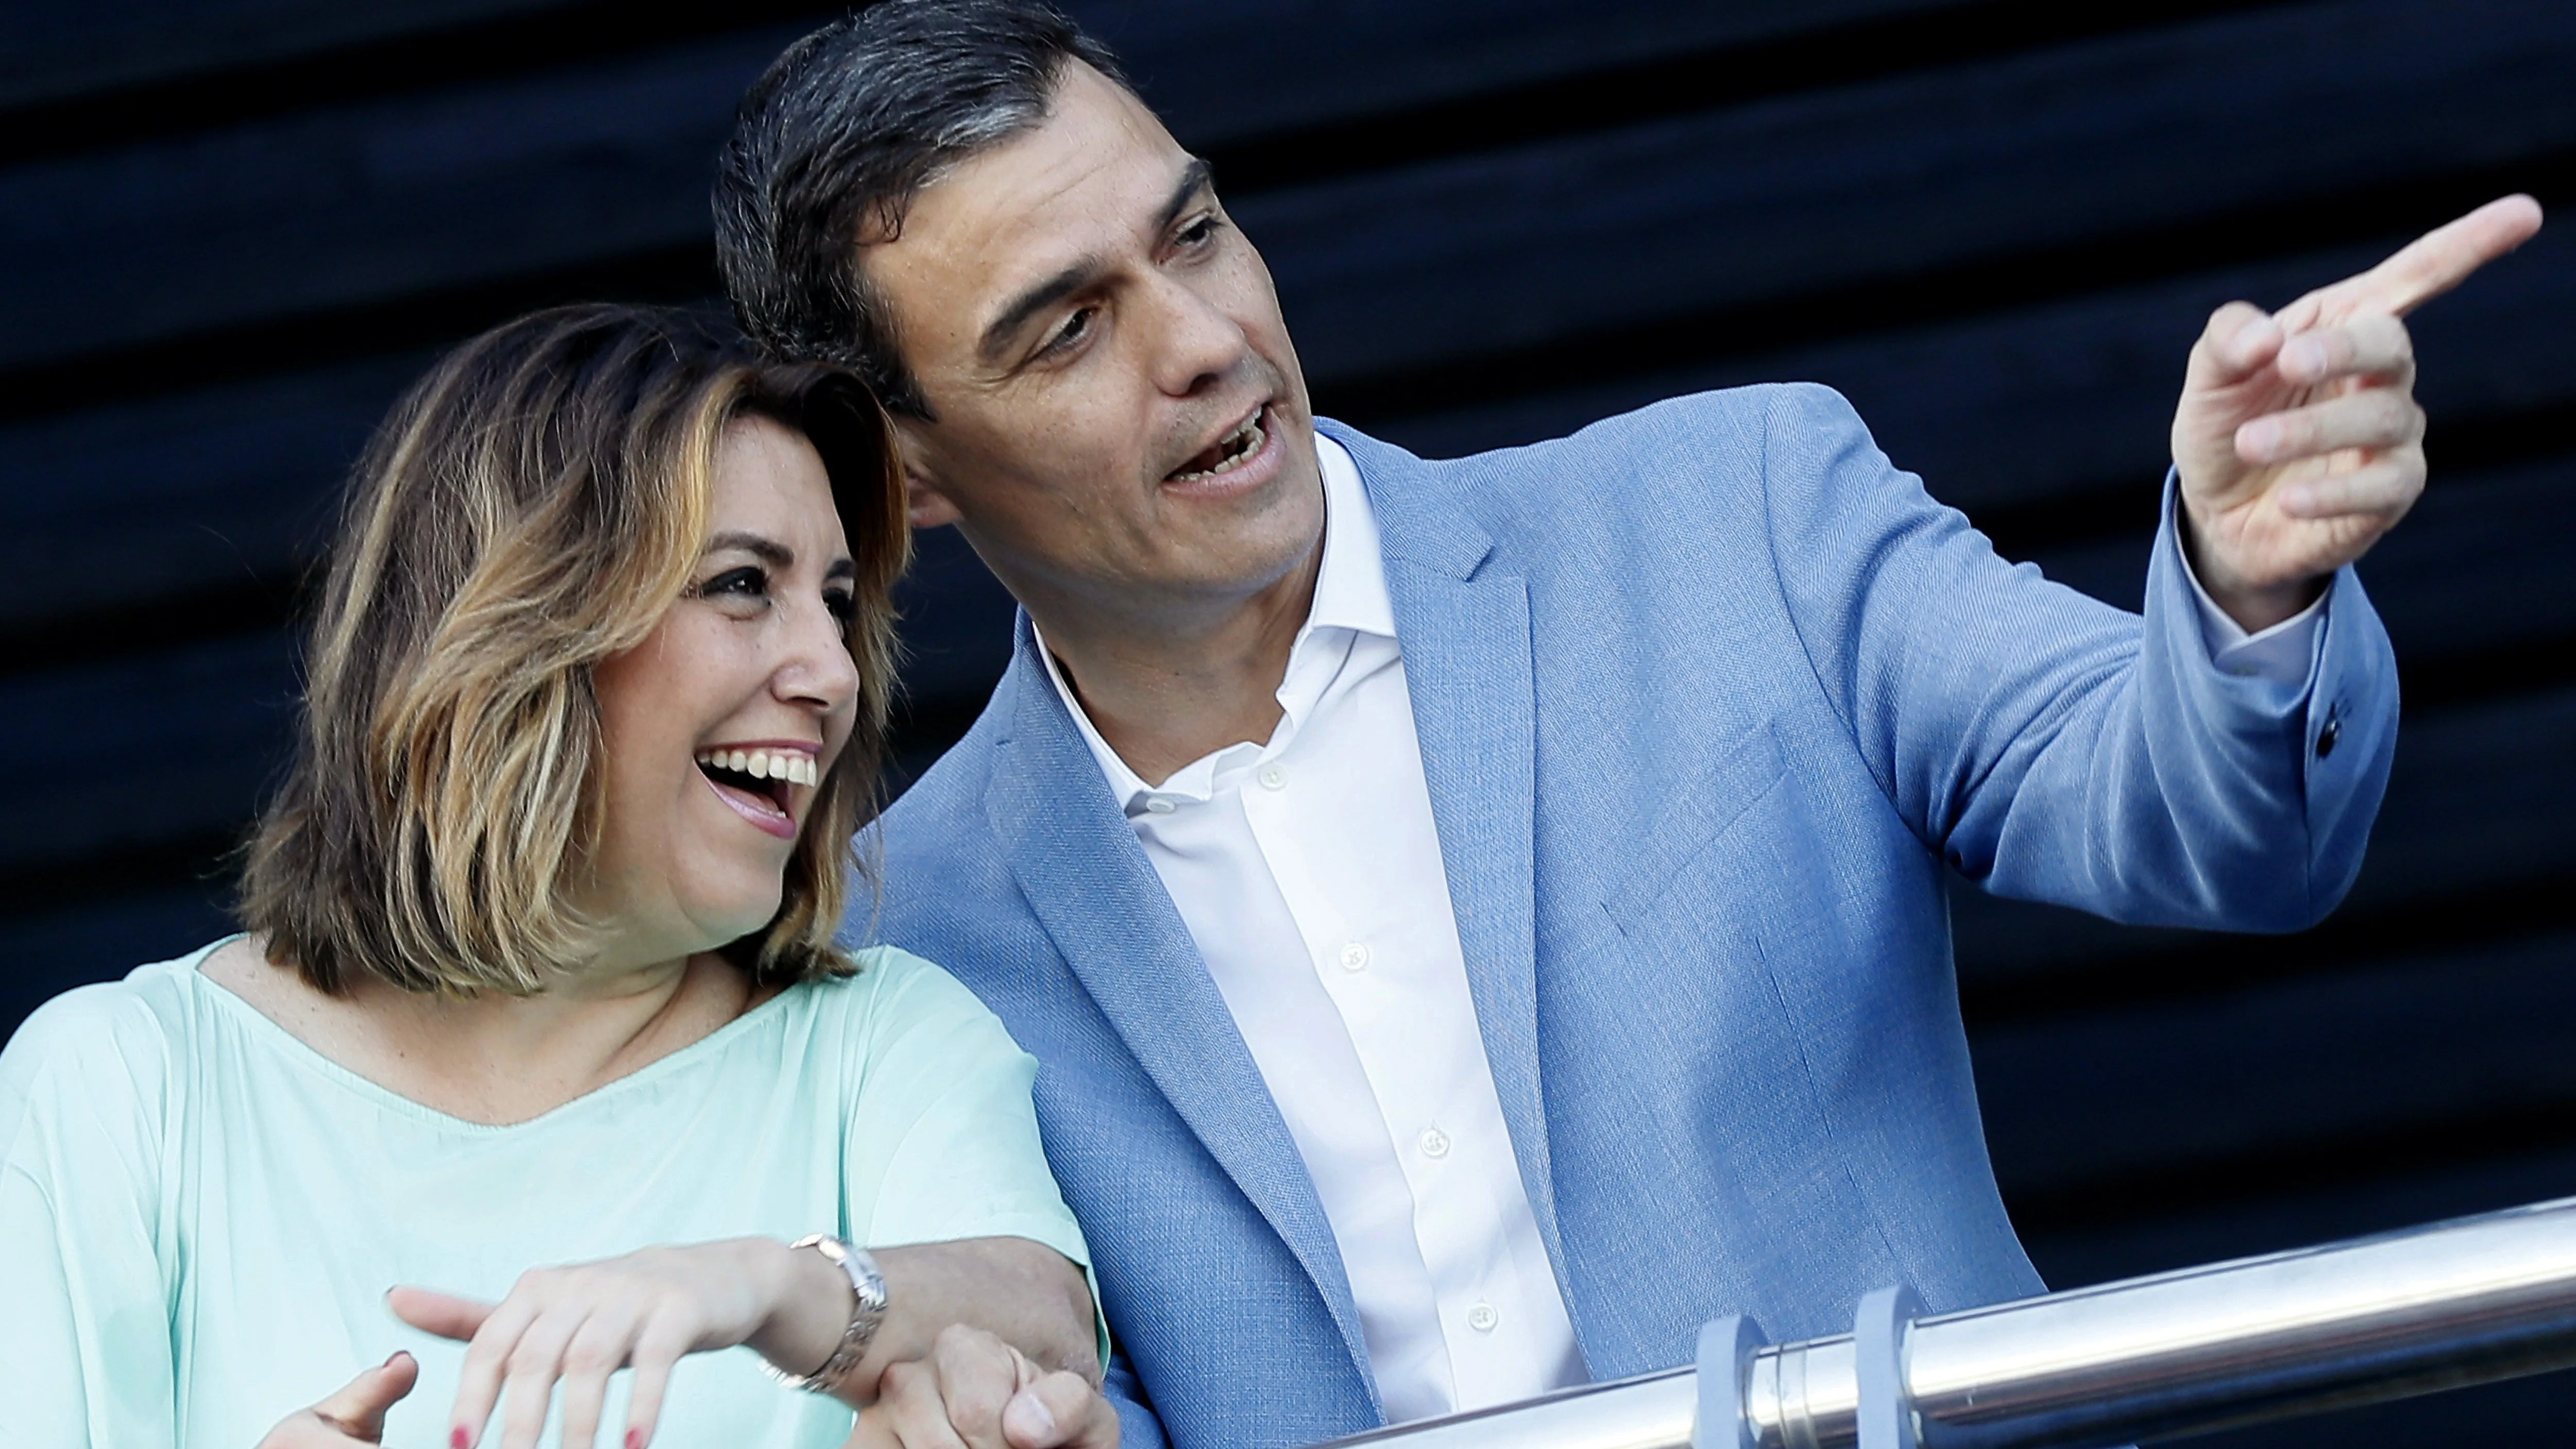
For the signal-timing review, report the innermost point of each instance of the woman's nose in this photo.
(819, 669)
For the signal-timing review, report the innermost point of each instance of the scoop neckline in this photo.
(311, 1058)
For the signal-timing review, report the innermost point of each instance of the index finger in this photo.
(444, 1314)
(2425, 268)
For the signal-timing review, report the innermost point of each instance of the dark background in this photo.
(231, 229)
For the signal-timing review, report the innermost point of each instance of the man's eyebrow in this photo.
(1194, 179)
(768, 550)
(997, 336)
(1033, 301)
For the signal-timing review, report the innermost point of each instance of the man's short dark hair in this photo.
(842, 132)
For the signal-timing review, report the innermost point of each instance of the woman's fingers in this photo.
(358, 1409)
(664, 1340)
(443, 1314)
(598, 1349)
(487, 1359)
(913, 1411)
(535, 1364)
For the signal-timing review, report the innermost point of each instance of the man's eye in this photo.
(1073, 331)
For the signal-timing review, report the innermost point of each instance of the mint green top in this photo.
(200, 1215)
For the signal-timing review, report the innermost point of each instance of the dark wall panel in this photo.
(234, 228)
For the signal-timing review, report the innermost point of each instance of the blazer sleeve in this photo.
(2056, 748)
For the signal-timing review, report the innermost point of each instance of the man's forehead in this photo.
(1096, 173)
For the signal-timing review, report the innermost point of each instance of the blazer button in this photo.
(2327, 735)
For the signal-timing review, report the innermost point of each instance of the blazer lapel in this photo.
(1464, 629)
(1097, 895)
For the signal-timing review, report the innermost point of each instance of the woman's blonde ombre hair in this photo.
(530, 508)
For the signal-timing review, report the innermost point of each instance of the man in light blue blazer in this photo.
(1479, 920)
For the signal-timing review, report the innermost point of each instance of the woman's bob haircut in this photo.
(529, 509)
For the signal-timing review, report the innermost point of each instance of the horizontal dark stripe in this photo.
(2205, 965)
(673, 275)
(68, 884)
(1691, 82)
(2094, 510)
(547, 37)
(431, 59)
(2290, 1167)
(148, 626)
(1991, 283)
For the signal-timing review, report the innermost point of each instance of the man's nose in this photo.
(1198, 341)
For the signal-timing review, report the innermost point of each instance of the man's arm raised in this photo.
(2298, 437)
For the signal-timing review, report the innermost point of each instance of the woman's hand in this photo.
(974, 1391)
(578, 1325)
(353, 1416)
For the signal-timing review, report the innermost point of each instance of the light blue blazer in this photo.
(1706, 694)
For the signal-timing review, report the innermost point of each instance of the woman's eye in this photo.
(745, 583)
(841, 604)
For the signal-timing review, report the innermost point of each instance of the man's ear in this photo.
(923, 504)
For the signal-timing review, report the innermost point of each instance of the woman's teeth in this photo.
(787, 765)
(1231, 451)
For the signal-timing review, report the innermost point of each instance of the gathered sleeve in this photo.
(86, 1356)
(942, 1142)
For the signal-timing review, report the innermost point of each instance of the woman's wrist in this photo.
(809, 1305)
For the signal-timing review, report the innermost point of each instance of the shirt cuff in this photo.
(2282, 654)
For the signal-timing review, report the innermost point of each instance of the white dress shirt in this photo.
(1308, 871)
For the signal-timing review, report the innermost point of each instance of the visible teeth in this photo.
(1249, 437)
(795, 767)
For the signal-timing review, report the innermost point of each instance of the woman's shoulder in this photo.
(895, 995)
(110, 1026)
(100, 1056)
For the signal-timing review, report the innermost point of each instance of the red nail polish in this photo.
(457, 1438)
(634, 1439)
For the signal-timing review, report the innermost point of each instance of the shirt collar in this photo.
(1350, 593)
(1350, 584)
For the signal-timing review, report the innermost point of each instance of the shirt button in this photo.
(1355, 957)
(2326, 737)
(1434, 1142)
(1482, 1318)
(1159, 806)
(1274, 777)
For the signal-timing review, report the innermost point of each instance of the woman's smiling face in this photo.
(718, 727)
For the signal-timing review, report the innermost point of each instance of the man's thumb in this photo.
(358, 1410)
(1059, 1411)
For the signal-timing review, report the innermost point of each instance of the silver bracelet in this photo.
(867, 1312)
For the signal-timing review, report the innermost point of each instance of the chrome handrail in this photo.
(2181, 1353)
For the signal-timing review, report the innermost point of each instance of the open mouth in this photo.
(1225, 454)
(759, 781)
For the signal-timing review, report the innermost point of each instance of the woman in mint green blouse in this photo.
(536, 1105)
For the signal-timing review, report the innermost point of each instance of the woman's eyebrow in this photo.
(767, 550)
(842, 569)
